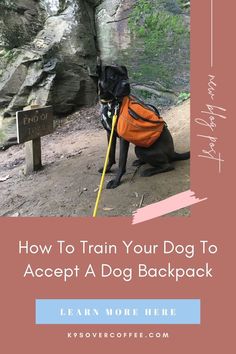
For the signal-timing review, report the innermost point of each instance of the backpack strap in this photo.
(155, 109)
(145, 104)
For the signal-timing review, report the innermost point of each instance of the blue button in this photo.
(122, 311)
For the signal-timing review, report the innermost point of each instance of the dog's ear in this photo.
(109, 67)
(105, 70)
(124, 70)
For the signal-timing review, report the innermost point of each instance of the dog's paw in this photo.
(155, 170)
(112, 184)
(149, 172)
(138, 163)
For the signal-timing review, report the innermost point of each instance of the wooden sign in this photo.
(31, 124)
(34, 123)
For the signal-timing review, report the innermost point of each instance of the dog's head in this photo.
(113, 82)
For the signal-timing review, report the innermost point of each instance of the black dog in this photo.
(113, 87)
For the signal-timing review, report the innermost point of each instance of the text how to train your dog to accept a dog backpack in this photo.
(139, 123)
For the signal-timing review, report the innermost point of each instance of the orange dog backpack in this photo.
(139, 124)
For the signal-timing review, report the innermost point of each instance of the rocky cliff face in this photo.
(56, 65)
(113, 33)
(49, 50)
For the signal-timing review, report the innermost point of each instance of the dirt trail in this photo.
(72, 155)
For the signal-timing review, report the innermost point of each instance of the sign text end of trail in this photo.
(32, 124)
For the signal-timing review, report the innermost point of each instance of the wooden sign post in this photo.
(31, 124)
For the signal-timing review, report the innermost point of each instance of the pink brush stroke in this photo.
(166, 206)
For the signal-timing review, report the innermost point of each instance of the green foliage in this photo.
(184, 3)
(13, 36)
(183, 96)
(7, 54)
(162, 41)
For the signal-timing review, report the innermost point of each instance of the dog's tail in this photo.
(183, 156)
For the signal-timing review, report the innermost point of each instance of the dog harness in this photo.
(108, 111)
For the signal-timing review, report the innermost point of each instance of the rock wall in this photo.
(113, 33)
(55, 66)
(49, 50)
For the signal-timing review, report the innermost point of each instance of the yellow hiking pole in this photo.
(114, 119)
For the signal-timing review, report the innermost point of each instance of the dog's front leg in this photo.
(124, 148)
(112, 154)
